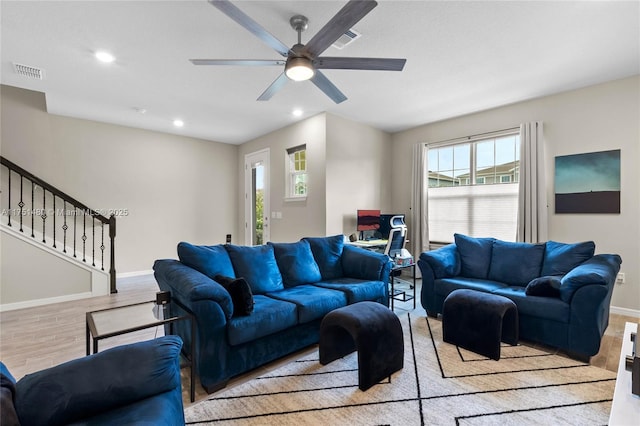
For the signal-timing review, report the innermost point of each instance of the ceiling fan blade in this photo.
(376, 64)
(277, 84)
(229, 9)
(346, 18)
(246, 62)
(323, 83)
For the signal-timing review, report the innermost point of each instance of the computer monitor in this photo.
(368, 220)
(389, 221)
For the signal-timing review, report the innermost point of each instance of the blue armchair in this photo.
(131, 384)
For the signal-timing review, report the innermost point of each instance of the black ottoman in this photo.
(371, 329)
(478, 321)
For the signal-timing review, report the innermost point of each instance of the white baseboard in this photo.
(134, 274)
(40, 302)
(625, 311)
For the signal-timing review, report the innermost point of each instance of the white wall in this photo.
(174, 188)
(597, 118)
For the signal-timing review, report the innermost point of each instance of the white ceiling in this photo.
(461, 57)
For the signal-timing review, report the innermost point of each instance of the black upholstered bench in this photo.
(479, 321)
(371, 329)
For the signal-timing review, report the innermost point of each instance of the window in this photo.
(296, 184)
(473, 187)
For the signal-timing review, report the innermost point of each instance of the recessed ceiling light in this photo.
(178, 123)
(105, 57)
(297, 112)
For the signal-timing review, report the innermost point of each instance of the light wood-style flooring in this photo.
(36, 338)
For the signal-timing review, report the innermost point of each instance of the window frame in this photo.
(292, 173)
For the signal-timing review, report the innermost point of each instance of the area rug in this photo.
(440, 384)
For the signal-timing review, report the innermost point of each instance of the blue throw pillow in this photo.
(209, 260)
(475, 255)
(560, 258)
(296, 263)
(600, 269)
(327, 251)
(257, 265)
(547, 286)
(515, 263)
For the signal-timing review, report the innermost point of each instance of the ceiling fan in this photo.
(303, 61)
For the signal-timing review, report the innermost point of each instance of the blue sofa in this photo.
(131, 384)
(293, 285)
(562, 291)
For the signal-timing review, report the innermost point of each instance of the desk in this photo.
(370, 244)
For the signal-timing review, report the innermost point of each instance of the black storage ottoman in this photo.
(370, 328)
(479, 321)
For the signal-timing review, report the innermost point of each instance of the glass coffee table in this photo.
(117, 321)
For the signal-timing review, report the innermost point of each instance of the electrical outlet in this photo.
(620, 278)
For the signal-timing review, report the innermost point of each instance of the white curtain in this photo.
(419, 231)
(532, 197)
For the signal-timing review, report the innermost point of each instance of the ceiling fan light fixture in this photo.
(299, 69)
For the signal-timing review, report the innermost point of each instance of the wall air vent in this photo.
(346, 39)
(28, 71)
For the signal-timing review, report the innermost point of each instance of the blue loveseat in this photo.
(130, 384)
(293, 285)
(562, 291)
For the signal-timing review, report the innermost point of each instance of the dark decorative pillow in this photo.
(240, 292)
(548, 286)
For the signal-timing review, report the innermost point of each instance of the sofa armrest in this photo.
(444, 262)
(365, 264)
(191, 285)
(601, 269)
(99, 383)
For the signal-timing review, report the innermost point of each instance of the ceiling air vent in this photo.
(347, 38)
(28, 71)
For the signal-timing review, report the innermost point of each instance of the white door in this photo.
(256, 210)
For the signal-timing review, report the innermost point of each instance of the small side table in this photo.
(117, 321)
(401, 295)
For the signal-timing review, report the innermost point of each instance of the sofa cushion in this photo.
(240, 293)
(296, 263)
(257, 265)
(547, 286)
(601, 269)
(269, 316)
(312, 302)
(549, 308)
(327, 252)
(560, 258)
(515, 263)
(209, 260)
(356, 290)
(475, 255)
(444, 286)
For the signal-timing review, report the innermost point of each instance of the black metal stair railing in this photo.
(37, 201)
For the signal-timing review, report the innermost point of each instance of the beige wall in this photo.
(596, 118)
(347, 165)
(53, 277)
(174, 188)
(299, 218)
(358, 172)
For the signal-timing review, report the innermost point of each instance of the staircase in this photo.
(37, 213)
